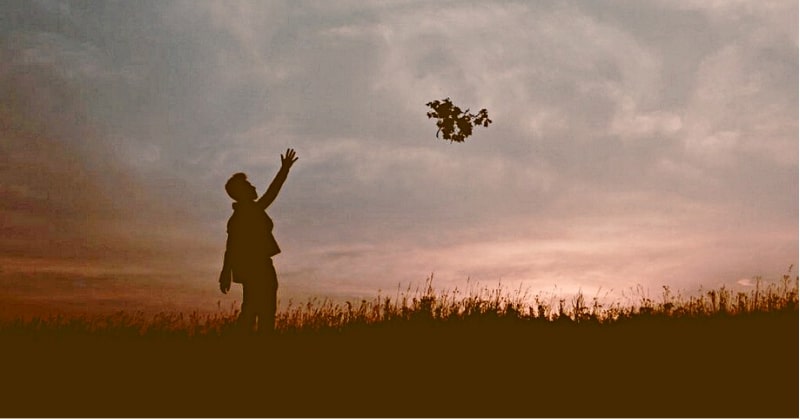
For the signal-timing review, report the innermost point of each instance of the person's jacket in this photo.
(250, 241)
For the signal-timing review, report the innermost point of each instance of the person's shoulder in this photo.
(244, 205)
(243, 210)
(236, 213)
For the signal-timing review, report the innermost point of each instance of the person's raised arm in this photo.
(275, 187)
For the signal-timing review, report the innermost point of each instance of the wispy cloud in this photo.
(631, 142)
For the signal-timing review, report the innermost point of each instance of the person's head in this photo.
(240, 189)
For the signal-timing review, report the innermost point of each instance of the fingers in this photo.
(290, 156)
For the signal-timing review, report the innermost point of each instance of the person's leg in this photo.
(247, 318)
(266, 320)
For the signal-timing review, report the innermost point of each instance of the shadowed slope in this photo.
(502, 363)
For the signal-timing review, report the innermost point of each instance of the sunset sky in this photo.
(634, 142)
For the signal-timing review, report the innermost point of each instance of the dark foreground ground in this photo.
(644, 367)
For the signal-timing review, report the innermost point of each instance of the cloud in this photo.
(633, 140)
(68, 198)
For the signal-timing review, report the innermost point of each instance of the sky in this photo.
(633, 143)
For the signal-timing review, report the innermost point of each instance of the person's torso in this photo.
(250, 234)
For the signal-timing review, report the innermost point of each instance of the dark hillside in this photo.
(743, 365)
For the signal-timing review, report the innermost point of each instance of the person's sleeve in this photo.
(273, 189)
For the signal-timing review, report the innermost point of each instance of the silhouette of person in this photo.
(250, 248)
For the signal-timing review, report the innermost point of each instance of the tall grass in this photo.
(491, 303)
(487, 352)
(426, 304)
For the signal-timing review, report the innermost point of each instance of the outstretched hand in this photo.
(288, 160)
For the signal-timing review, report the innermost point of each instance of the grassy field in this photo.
(488, 353)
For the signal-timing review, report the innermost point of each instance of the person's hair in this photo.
(237, 186)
